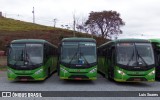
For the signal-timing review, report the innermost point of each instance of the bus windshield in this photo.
(19, 54)
(16, 54)
(135, 54)
(34, 53)
(78, 52)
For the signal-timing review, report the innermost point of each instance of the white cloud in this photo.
(141, 16)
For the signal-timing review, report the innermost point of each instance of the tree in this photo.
(105, 23)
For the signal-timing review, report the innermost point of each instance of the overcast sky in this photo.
(142, 17)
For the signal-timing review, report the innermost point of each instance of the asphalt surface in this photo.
(53, 83)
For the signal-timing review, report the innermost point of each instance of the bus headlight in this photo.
(93, 70)
(39, 71)
(63, 70)
(152, 72)
(121, 72)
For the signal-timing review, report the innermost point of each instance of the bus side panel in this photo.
(50, 65)
(101, 64)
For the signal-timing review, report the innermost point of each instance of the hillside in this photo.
(11, 29)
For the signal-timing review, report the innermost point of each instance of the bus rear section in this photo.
(156, 47)
(78, 59)
(30, 60)
(129, 60)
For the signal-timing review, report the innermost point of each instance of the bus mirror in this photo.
(45, 47)
(7, 46)
(7, 50)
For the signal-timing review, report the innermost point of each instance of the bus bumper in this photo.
(25, 75)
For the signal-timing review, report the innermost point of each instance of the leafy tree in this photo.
(105, 23)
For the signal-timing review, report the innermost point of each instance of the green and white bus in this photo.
(78, 59)
(127, 60)
(156, 47)
(31, 59)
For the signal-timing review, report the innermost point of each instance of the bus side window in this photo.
(99, 52)
(46, 52)
(156, 53)
(109, 53)
(54, 52)
(112, 55)
(158, 56)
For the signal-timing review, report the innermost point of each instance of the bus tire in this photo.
(58, 69)
(109, 75)
(48, 72)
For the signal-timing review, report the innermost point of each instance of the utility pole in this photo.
(74, 24)
(33, 15)
(0, 14)
(55, 20)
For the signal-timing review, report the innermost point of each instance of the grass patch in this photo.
(3, 68)
(3, 63)
(11, 29)
(17, 25)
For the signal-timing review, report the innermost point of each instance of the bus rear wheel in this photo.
(48, 72)
(109, 76)
(58, 69)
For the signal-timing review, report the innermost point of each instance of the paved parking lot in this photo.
(53, 83)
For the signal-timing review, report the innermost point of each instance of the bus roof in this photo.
(31, 41)
(155, 40)
(126, 41)
(132, 40)
(76, 39)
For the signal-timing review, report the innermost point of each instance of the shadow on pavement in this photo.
(78, 82)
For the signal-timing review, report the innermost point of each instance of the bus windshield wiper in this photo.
(74, 55)
(28, 59)
(20, 59)
(140, 56)
(81, 54)
(130, 58)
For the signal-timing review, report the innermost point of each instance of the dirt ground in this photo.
(3, 62)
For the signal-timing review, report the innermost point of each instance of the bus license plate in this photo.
(137, 79)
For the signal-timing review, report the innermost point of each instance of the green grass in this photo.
(11, 29)
(3, 63)
(3, 68)
(17, 25)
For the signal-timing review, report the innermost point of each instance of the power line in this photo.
(39, 20)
